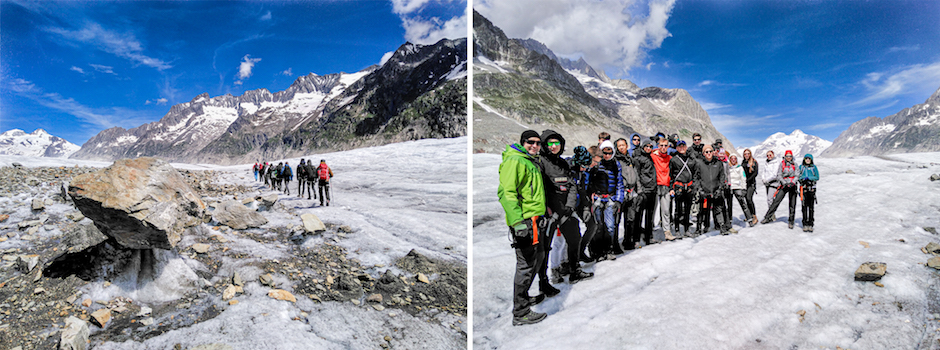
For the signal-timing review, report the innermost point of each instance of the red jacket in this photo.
(661, 163)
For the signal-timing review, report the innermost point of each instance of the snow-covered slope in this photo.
(767, 287)
(38, 144)
(798, 142)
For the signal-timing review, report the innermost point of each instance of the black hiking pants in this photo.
(324, 186)
(683, 208)
(529, 258)
(627, 215)
(591, 224)
(728, 196)
(741, 195)
(749, 198)
(809, 207)
(711, 206)
(646, 203)
(784, 191)
(301, 183)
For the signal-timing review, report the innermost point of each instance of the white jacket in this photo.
(736, 177)
(769, 172)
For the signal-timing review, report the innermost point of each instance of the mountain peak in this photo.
(39, 132)
(935, 98)
(39, 143)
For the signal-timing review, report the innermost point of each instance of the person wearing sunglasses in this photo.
(521, 193)
(634, 144)
(681, 171)
(629, 179)
(561, 197)
(787, 174)
(708, 181)
(664, 193)
(695, 150)
(646, 201)
(606, 190)
(769, 178)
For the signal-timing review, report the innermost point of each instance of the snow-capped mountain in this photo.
(39, 143)
(798, 142)
(521, 84)
(411, 96)
(915, 129)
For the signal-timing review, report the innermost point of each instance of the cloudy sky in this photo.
(758, 67)
(76, 68)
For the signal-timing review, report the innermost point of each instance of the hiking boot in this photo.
(810, 228)
(531, 317)
(669, 236)
(767, 220)
(611, 256)
(805, 228)
(557, 276)
(538, 299)
(732, 230)
(547, 289)
(753, 221)
(725, 232)
(579, 275)
(617, 250)
(790, 225)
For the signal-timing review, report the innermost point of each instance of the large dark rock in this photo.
(142, 203)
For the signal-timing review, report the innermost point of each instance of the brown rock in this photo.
(86, 303)
(934, 262)
(423, 278)
(233, 302)
(229, 292)
(4, 217)
(281, 294)
(932, 248)
(375, 298)
(101, 317)
(201, 248)
(871, 271)
(142, 203)
(236, 215)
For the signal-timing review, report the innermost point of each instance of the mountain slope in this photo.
(915, 129)
(39, 143)
(416, 94)
(798, 142)
(521, 84)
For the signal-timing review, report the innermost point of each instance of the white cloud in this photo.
(103, 69)
(266, 17)
(244, 69)
(237, 82)
(705, 83)
(79, 70)
(610, 33)
(421, 29)
(404, 7)
(289, 72)
(710, 106)
(650, 65)
(100, 117)
(904, 48)
(159, 102)
(122, 45)
(884, 86)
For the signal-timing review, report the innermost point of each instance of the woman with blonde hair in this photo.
(750, 173)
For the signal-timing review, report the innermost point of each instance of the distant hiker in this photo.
(264, 172)
(301, 177)
(312, 178)
(324, 174)
(270, 174)
(708, 182)
(738, 183)
(276, 177)
(606, 191)
(522, 196)
(808, 177)
(787, 175)
(750, 175)
(561, 197)
(629, 178)
(661, 159)
(769, 178)
(681, 172)
(286, 176)
(256, 168)
(646, 188)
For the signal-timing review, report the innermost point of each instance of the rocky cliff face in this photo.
(520, 84)
(415, 94)
(915, 129)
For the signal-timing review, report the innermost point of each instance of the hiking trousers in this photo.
(749, 198)
(683, 208)
(809, 207)
(301, 184)
(606, 211)
(665, 207)
(646, 202)
(741, 195)
(711, 206)
(324, 185)
(728, 196)
(529, 258)
(784, 191)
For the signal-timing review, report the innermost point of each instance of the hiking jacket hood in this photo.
(521, 190)
(631, 147)
(809, 172)
(645, 170)
(558, 179)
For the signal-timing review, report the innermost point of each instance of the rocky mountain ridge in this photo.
(312, 115)
(38, 143)
(914, 129)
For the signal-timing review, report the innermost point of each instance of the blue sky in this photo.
(76, 68)
(758, 67)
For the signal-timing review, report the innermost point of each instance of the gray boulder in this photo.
(934, 177)
(142, 203)
(871, 271)
(75, 334)
(38, 204)
(312, 223)
(268, 200)
(236, 215)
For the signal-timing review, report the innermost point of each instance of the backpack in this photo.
(311, 172)
(286, 172)
(323, 172)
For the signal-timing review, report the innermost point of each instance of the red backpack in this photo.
(323, 171)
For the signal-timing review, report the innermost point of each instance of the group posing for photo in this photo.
(546, 197)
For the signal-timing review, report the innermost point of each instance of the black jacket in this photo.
(682, 168)
(751, 173)
(561, 194)
(645, 171)
(710, 177)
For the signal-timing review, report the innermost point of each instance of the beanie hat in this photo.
(582, 156)
(607, 144)
(527, 134)
(788, 153)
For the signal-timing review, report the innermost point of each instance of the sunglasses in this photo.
(531, 142)
(708, 151)
(636, 139)
(696, 139)
(608, 153)
(647, 146)
(555, 143)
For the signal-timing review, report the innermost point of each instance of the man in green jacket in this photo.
(522, 195)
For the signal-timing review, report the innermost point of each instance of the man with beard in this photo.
(561, 197)
(521, 193)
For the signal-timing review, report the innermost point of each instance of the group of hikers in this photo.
(279, 177)
(545, 195)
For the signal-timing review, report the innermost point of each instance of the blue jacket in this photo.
(809, 173)
(604, 179)
(632, 146)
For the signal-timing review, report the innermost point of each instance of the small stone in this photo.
(233, 302)
(86, 303)
(879, 284)
(266, 279)
(864, 244)
(392, 314)
(355, 302)
(101, 317)
(237, 279)
(75, 216)
(4, 217)
(378, 307)
(932, 248)
(39, 290)
(375, 298)
(75, 334)
(871, 271)
(201, 248)
(934, 177)
(423, 278)
(119, 309)
(387, 338)
(312, 223)
(329, 280)
(147, 321)
(144, 311)
(229, 293)
(281, 294)
(38, 204)
(934, 262)
(849, 171)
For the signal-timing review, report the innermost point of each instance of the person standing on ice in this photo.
(738, 184)
(708, 181)
(262, 171)
(324, 174)
(606, 191)
(769, 178)
(664, 193)
(681, 171)
(561, 198)
(787, 175)
(311, 180)
(286, 176)
(256, 168)
(646, 188)
(521, 193)
(808, 177)
(628, 209)
(750, 174)
(301, 177)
